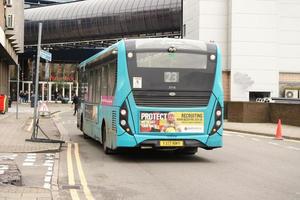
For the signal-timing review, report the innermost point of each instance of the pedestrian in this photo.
(76, 103)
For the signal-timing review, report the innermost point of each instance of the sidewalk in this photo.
(267, 129)
(14, 132)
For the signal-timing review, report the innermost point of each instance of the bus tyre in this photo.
(188, 150)
(106, 149)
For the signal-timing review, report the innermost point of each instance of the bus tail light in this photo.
(218, 119)
(124, 118)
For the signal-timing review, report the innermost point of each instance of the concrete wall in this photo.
(258, 38)
(289, 35)
(254, 48)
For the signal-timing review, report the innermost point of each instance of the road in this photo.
(247, 167)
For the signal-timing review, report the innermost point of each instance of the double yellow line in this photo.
(86, 190)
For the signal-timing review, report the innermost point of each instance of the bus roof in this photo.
(147, 43)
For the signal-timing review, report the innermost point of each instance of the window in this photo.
(90, 87)
(98, 85)
(104, 80)
(112, 73)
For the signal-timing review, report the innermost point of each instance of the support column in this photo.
(49, 91)
(70, 91)
(29, 91)
(43, 91)
(63, 91)
(23, 86)
(77, 89)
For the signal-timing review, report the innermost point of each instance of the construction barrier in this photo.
(3, 104)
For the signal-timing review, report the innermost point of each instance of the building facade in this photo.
(259, 40)
(11, 38)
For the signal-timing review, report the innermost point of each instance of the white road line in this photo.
(29, 160)
(273, 143)
(255, 139)
(241, 136)
(28, 164)
(49, 173)
(47, 179)
(226, 134)
(47, 185)
(293, 148)
(2, 171)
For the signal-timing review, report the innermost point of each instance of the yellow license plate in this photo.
(171, 143)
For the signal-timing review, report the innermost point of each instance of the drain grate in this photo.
(69, 187)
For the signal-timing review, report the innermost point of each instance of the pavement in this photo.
(266, 129)
(34, 157)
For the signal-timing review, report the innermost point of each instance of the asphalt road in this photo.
(247, 167)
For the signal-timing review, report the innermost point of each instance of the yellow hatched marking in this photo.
(71, 178)
(83, 181)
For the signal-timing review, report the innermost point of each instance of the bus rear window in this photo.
(171, 60)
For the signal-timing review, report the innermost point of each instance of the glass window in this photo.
(98, 86)
(112, 78)
(171, 60)
(90, 88)
(104, 81)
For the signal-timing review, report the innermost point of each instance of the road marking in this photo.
(273, 143)
(73, 192)
(293, 148)
(255, 139)
(241, 136)
(226, 134)
(83, 181)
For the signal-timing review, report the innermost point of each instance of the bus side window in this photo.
(90, 86)
(104, 81)
(112, 78)
(98, 86)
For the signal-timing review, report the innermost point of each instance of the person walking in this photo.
(76, 103)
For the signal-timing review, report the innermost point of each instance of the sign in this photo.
(170, 122)
(46, 55)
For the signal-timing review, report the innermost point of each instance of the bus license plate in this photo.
(171, 143)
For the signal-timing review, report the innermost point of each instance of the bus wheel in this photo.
(188, 150)
(106, 149)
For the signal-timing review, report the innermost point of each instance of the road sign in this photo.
(46, 55)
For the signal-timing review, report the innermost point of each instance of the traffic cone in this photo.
(278, 135)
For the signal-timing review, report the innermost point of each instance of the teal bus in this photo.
(158, 93)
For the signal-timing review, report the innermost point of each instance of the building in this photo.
(11, 38)
(259, 40)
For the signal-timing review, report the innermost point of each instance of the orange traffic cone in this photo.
(278, 135)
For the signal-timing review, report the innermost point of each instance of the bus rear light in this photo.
(124, 118)
(218, 123)
(218, 119)
(123, 122)
(123, 112)
(218, 113)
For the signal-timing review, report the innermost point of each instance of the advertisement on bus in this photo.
(170, 122)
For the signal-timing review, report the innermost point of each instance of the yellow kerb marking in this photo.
(83, 181)
(73, 192)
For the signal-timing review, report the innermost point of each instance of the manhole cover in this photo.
(68, 187)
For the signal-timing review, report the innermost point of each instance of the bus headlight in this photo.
(218, 123)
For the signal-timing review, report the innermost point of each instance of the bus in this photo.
(158, 93)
